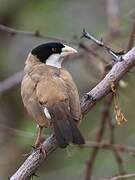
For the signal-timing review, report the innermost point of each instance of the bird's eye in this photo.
(54, 49)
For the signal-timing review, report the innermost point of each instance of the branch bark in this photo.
(31, 164)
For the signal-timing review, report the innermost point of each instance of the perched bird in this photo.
(50, 95)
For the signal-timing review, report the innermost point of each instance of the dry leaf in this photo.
(119, 116)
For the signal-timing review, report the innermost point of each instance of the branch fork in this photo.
(117, 57)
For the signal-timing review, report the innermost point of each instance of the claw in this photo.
(42, 150)
(40, 147)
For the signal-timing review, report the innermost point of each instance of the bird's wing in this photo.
(74, 101)
(29, 97)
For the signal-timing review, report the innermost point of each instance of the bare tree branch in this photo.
(120, 177)
(36, 33)
(87, 102)
(99, 136)
(11, 81)
(108, 146)
(117, 155)
(32, 162)
(112, 10)
(114, 75)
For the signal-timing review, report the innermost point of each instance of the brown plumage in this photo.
(48, 88)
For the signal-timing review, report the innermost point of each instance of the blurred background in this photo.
(112, 20)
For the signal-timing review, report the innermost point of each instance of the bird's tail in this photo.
(65, 128)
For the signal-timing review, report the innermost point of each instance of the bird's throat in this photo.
(54, 60)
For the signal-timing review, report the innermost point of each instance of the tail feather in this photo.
(62, 142)
(65, 128)
(76, 134)
(62, 134)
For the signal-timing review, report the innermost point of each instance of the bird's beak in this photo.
(67, 50)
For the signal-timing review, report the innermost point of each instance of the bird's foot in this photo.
(40, 148)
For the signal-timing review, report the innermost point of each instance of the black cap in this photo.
(43, 51)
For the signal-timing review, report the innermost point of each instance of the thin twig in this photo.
(112, 13)
(90, 162)
(99, 136)
(16, 132)
(108, 146)
(112, 141)
(36, 33)
(116, 56)
(121, 177)
(11, 81)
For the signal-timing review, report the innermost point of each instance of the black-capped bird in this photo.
(50, 94)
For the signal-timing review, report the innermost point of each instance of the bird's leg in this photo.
(38, 137)
(39, 140)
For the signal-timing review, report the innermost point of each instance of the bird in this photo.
(50, 95)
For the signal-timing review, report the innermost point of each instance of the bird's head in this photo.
(52, 53)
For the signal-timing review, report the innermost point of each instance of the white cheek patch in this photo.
(47, 114)
(54, 60)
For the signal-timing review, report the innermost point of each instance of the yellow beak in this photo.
(67, 50)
